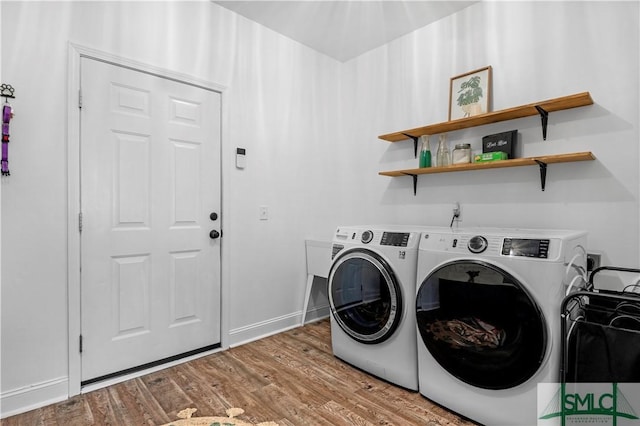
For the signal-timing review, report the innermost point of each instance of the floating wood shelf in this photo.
(537, 108)
(516, 162)
(541, 161)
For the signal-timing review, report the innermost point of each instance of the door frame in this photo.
(75, 54)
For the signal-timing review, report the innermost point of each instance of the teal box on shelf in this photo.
(504, 142)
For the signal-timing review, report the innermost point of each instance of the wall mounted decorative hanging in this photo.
(7, 114)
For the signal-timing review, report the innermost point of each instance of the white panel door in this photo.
(150, 180)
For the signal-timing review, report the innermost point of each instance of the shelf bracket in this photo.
(415, 144)
(415, 182)
(543, 173)
(544, 116)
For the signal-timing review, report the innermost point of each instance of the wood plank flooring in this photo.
(291, 378)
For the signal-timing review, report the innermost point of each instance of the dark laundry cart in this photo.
(601, 331)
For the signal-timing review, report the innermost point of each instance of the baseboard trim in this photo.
(34, 396)
(260, 330)
(317, 314)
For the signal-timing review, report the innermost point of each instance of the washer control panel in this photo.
(396, 239)
(378, 237)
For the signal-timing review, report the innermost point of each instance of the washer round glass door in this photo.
(481, 325)
(364, 295)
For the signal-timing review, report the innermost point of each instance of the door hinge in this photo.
(80, 222)
(80, 98)
(80, 343)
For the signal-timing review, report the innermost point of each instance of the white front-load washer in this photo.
(372, 288)
(488, 317)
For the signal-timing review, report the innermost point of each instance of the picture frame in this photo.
(470, 93)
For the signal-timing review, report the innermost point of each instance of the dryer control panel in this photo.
(544, 248)
(526, 247)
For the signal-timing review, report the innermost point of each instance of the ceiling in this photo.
(344, 29)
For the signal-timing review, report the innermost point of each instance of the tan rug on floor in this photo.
(187, 420)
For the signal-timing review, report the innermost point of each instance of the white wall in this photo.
(281, 100)
(538, 51)
(310, 127)
(278, 106)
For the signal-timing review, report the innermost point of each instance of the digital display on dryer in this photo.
(526, 247)
(397, 239)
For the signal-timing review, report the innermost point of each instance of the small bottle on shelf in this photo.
(443, 155)
(425, 152)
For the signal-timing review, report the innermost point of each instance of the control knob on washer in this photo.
(477, 244)
(367, 236)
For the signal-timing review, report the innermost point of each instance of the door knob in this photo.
(214, 234)
(213, 216)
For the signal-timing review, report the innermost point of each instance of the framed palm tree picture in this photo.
(470, 93)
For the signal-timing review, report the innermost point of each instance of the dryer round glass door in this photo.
(481, 325)
(364, 295)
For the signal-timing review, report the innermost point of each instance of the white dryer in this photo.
(372, 290)
(488, 316)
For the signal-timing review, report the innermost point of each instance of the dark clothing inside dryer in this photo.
(483, 328)
(466, 332)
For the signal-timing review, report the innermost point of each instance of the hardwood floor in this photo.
(291, 378)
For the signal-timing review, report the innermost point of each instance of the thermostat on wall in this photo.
(241, 158)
